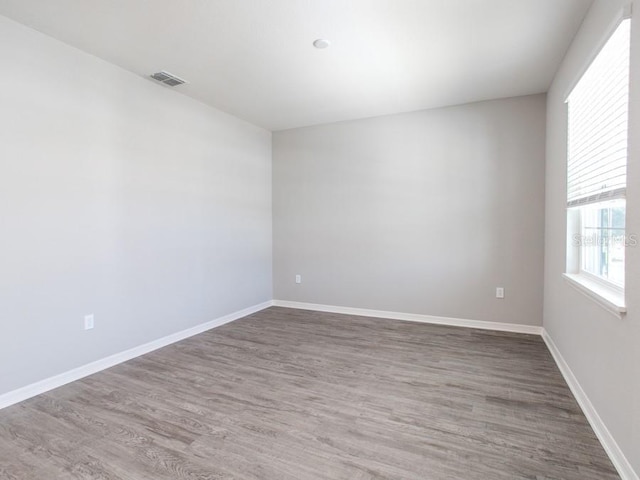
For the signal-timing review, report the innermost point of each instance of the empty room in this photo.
(319, 239)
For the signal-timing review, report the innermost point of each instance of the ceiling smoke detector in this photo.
(321, 43)
(167, 78)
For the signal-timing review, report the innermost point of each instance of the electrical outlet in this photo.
(88, 322)
(298, 278)
(499, 292)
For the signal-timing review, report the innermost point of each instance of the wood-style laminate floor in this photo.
(291, 394)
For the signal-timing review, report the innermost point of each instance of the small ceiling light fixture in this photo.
(321, 43)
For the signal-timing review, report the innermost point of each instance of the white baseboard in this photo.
(620, 462)
(414, 317)
(47, 384)
(625, 470)
(606, 439)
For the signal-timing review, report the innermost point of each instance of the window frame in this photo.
(605, 293)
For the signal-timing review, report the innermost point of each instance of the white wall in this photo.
(602, 351)
(425, 212)
(121, 198)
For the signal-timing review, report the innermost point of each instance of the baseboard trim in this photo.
(620, 462)
(625, 470)
(606, 439)
(414, 317)
(56, 381)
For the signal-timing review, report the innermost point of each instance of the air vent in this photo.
(167, 78)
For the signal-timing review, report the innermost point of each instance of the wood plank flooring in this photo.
(296, 395)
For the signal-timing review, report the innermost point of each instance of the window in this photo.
(603, 241)
(597, 167)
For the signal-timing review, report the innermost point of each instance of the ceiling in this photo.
(255, 59)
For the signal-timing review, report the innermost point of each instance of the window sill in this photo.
(608, 298)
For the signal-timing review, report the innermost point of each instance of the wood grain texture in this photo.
(292, 394)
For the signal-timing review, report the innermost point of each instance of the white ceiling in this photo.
(255, 59)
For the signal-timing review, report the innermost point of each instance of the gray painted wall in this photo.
(119, 198)
(425, 212)
(602, 351)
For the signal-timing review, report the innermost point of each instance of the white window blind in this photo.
(598, 125)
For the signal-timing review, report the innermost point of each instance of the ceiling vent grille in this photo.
(167, 78)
